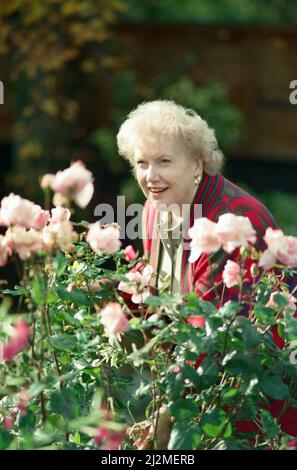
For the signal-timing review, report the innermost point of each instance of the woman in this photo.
(176, 161)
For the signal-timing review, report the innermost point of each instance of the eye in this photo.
(165, 160)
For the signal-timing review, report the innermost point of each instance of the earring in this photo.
(197, 180)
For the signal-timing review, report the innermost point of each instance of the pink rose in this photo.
(75, 183)
(59, 236)
(18, 342)
(114, 440)
(8, 421)
(130, 253)
(267, 260)
(196, 320)
(60, 200)
(279, 247)
(235, 231)
(291, 301)
(231, 274)
(47, 180)
(113, 319)
(103, 239)
(137, 284)
(204, 238)
(102, 433)
(18, 211)
(271, 302)
(276, 242)
(97, 286)
(41, 220)
(289, 257)
(24, 242)
(5, 250)
(106, 438)
(109, 439)
(59, 214)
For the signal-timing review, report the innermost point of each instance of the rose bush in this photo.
(83, 367)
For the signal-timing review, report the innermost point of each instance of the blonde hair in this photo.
(164, 119)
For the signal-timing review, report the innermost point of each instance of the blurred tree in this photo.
(67, 78)
(213, 11)
(57, 55)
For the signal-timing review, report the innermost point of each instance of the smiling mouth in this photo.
(158, 190)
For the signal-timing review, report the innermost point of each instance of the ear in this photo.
(199, 167)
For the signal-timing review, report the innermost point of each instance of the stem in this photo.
(214, 287)
(41, 395)
(107, 386)
(157, 420)
(223, 294)
(54, 352)
(43, 411)
(33, 339)
(227, 333)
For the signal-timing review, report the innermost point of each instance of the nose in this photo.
(152, 174)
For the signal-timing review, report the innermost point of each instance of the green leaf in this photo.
(280, 300)
(195, 305)
(84, 223)
(154, 301)
(291, 328)
(38, 290)
(265, 315)
(4, 307)
(65, 403)
(281, 329)
(229, 309)
(250, 335)
(60, 264)
(215, 423)
(5, 439)
(51, 297)
(76, 438)
(19, 290)
(251, 386)
(229, 395)
(208, 372)
(270, 426)
(274, 387)
(26, 421)
(190, 373)
(263, 294)
(36, 388)
(63, 342)
(184, 409)
(78, 296)
(143, 390)
(242, 363)
(175, 386)
(184, 437)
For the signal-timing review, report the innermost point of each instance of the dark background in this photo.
(72, 70)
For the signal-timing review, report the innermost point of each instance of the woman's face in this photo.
(165, 172)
